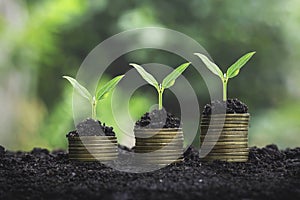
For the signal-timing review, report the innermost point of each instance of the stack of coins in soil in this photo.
(229, 135)
(159, 146)
(92, 141)
(93, 148)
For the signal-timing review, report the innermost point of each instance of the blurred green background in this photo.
(41, 40)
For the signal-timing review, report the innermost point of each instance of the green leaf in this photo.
(234, 69)
(210, 65)
(146, 76)
(79, 88)
(110, 85)
(170, 79)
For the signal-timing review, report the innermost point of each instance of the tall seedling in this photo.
(100, 93)
(166, 83)
(232, 71)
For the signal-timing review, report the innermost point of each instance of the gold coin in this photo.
(229, 115)
(93, 145)
(238, 119)
(158, 137)
(225, 140)
(143, 149)
(161, 151)
(221, 136)
(215, 139)
(161, 142)
(171, 144)
(158, 129)
(237, 153)
(224, 136)
(93, 159)
(92, 141)
(92, 138)
(158, 140)
(224, 131)
(227, 143)
(161, 137)
(215, 123)
(106, 155)
(158, 132)
(227, 123)
(224, 146)
(153, 151)
(227, 156)
(229, 150)
(149, 149)
(94, 154)
(217, 129)
(162, 155)
(221, 126)
(91, 151)
(178, 144)
(149, 135)
(217, 119)
(225, 118)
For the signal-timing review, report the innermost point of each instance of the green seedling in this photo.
(167, 82)
(101, 92)
(232, 71)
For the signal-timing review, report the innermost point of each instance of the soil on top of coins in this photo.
(158, 119)
(230, 106)
(91, 127)
(270, 173)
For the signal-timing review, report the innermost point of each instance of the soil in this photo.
(91, 127)
(40, 174)
(158, 119)
(232, 106)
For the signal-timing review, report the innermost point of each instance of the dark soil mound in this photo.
(90, 127)
(232, 106)
(158, 119)
(40, 174)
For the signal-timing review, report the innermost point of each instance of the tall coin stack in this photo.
(93, 148)
(232, 144)
(159, 146)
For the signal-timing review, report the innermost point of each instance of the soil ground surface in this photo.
(40, 174)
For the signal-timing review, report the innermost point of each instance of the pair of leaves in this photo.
(168, 80)
(232, 71)
(101, 92)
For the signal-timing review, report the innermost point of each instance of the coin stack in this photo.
(229, 135)
(93, 148)
(159, 146)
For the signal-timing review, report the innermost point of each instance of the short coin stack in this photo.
(159, 146)
(232, 144)
(93, 148)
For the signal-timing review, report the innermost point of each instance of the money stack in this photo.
(93, 148)
(159, 146)
(229, 135)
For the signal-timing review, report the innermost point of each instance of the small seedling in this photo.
(101, 92)
(232, 71)
(167, 82)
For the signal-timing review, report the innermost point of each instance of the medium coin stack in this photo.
(159, 146)
(93, 148)
(232, 144)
